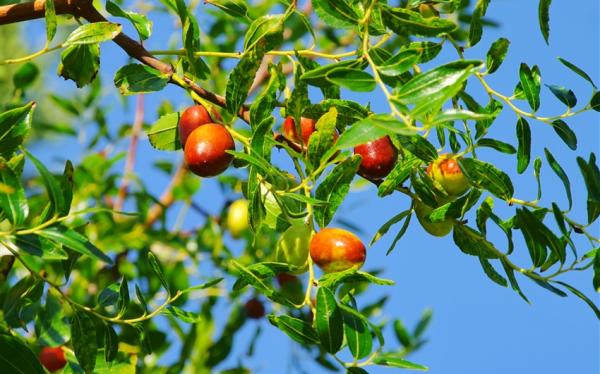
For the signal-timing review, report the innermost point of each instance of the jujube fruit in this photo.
(237, 217)
(293, 247)
(206, 150)
(334, 249)
(53, 358)
(254, 308)
(307, 127)
(192, 118)
(434, 228)
(446, 171)
(378, 158)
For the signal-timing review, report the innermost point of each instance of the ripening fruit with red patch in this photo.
(307, 127)
(206, 150)
(53, 358)
(439, 229)
(446, 171)
(194, 117)
(378, 158)
(335, 250)
(254, 308)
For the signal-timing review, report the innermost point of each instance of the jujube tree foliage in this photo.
(94, 277)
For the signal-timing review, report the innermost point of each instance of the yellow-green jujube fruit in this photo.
(237, 217)
(446, 171)
(434, 228)
(293, 247)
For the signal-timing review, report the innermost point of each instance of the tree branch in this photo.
(86, 10)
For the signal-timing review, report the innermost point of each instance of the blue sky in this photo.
(478, 327)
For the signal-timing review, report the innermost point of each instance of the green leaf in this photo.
(91, 33)
(595, 102)
(565, 95)
(109, 296)
(398, 175)
(358, 335)
(16, 357)
(352, 79)
(53, 330)
(496, 54)
(319, 76)
(407, 22)
(336, 13)
(164, 133)
(497, 145)
(513, 281)
(400, 63)
(399, 235)
(371, 128)
(75, 241)
(295, 328)
(83, 339)
(430, 90)
(577, 70)
(142, 24)
(123, 300)
(111, 344)
(266, 101)
(524, 150)
(419, 146)
(544, 18)
(559, 171)
(596, 279)
(566, 134)
(241, 78)
(423, 323)
(55, 194)
(80, 63)
(349, 112)
(323, 139)
(182, 315)
(14, 127)
(486, 176)
(530, 83)
(66, 186)
(578, 293)
(492, 273)
(473, 243)
(538, 237)
(388, 225)
(136, 78)
(476, 27)
(235, 8)
(391, 359)
(402, 334)
(332, 280)
(157, 269)
(459, 114)
(25, 76)
(267, 30)
(591, 177)
(334, 188)
(14, 202)
(329, 321)
(50, 16)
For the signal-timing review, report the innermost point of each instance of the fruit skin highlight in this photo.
(237, 218)
(334, 250)
(205, 150)
(293, 247)
(439, 229)
(446, 171)
(378, 158)
(254, 308)
(192, 118)
(53, 358)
